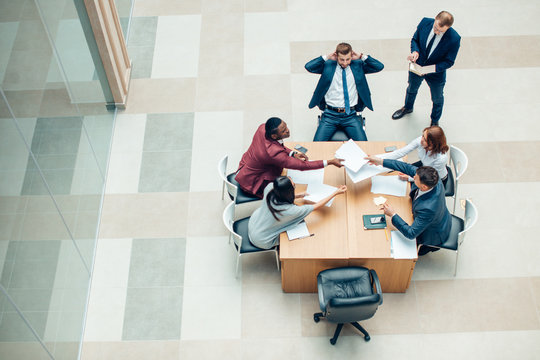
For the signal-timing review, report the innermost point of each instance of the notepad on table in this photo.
(299, 231)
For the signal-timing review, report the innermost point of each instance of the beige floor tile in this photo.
(259, 58)
(136, 350)
(166, 7)
(482, 345)
(519, 171)
(27, 69)
(161, 95)
(230, 6)
(265, 27)
(25, 103)
(221, 59)
(156, 215)
(392, 53)
(310, 306)
(205, 214)
(484, 162)
(220, 94)
(475, 305)
(222, 27)
(284, 348)
(210, 349)
(535, 287)
(304, 51)
(57, 102)
(265, 5)
(258, 88)
(105, 317)
(268, 312)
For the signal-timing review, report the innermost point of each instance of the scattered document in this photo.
(367, 170)
(389, 185)
(306, 176)
(352, 154)
(379, 200)
(317, 192)
(421, 70)
(299, 231)
(401, 247)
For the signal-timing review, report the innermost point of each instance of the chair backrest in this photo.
(342, 310)
(459, 161)
(222, 170)
(228, 220)
(471, 216)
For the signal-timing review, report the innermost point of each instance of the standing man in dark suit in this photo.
(433, 43)
(267, 157)
(432, 221)
(342, 91)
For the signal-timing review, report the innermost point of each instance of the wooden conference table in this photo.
(340, 238)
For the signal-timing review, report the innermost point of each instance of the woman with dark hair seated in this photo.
(278, 212)
(432, 151)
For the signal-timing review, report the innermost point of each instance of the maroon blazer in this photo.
(264, 161)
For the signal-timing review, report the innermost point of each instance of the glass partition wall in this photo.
(55, 136)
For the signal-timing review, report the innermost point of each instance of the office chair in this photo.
(238, 229)
(346, 295)
(340, 134)
(459, 162)
(458, 230)
(238, 196)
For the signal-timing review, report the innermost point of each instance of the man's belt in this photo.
(339, 110)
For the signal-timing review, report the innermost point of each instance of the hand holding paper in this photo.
(379, 200)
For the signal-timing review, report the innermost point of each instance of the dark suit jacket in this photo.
(432, 221)
(327, 69)
(265, 160)
(444, 54)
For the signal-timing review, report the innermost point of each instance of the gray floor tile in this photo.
(143, 31)
(165, 171)
(141, 58)
(12, 327)
(157, 262)
(153, 314)
(168, 132)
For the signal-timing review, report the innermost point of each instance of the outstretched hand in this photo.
(301, 156)
(388, 210)
(341, 189)
(336, 162)
(374, 160)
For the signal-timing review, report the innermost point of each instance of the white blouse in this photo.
(437, 161)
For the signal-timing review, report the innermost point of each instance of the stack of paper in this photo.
(352, 154)
(299, 231)
(317, 192)
(389, 185)
(367, 170)
(306, 176)
(401, 247)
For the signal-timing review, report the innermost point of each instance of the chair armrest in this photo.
(355, 301)
(377, 283)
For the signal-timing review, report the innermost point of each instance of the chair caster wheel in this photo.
(316, 318)
(333, 341)
(367, 338)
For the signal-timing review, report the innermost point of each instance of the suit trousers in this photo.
(435, 86)
(331, 121)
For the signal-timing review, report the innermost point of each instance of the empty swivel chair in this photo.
(348, 295)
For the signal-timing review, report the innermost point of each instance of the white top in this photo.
(437, 161)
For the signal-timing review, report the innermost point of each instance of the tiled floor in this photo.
(206, 73)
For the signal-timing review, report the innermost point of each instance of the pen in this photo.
(386, 234)
(303, 237)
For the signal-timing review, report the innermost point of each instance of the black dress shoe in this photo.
(400, 113)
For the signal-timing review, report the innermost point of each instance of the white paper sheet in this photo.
(317, 192)
(379, 200)
(401, 247)
(352, 154)
(389, 185)
(299, 231)
(367, 170)
(306, 176)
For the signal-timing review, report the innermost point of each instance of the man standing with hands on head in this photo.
(432, 220)
(433, 43)
(342, 91)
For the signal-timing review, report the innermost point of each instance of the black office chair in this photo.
(346, 295)
(340, 134)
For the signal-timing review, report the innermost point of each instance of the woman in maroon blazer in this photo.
(267, 157)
